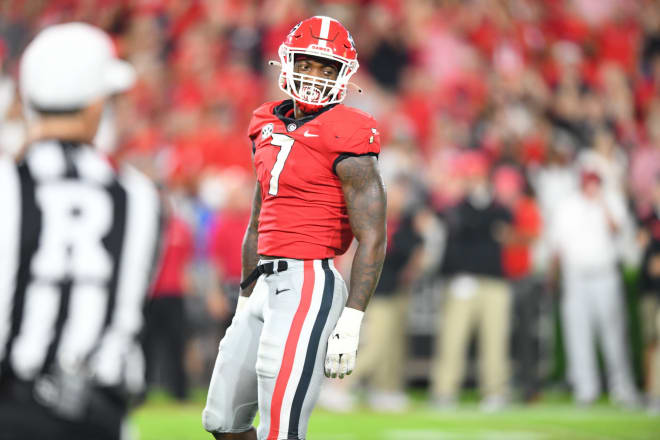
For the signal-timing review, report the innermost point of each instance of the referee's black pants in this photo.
(165, 344)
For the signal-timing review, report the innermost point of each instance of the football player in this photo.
(318, 187)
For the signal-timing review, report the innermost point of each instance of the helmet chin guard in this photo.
(309, 93)
(321, 37)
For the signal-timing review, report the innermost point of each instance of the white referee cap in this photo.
(67, 66)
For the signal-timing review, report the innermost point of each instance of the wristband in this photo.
(350, 321)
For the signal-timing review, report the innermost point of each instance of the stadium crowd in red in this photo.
(440, 76)
(426, 66)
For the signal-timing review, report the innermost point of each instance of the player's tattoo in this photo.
(249, 256)
(366, 201)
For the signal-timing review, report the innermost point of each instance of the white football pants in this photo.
(271, 358)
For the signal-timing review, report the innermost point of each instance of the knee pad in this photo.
(219, 421)
(214, 421)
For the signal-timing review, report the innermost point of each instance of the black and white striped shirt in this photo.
(77, 247)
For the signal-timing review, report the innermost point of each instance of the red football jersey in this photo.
(303, 211)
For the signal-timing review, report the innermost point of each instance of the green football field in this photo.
(553, 417)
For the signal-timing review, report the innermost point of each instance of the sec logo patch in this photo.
(267, 131)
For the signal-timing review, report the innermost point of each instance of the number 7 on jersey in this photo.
(285, 143)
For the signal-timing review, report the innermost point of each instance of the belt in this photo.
(266, 268)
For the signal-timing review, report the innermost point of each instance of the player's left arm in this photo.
(365, 197)
(364, 193)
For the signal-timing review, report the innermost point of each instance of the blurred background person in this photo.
(583, 235)
(226, 239)
(385, 349)
(552, 181)
(78, 244)
(166, 330)
(528, 295)
(649, 236)
(478, 295)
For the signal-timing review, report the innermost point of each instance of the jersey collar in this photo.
(285, 107)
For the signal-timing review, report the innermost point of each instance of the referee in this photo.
(78, 242)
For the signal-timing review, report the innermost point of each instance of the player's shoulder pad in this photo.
(350, 117)
(263, 113)
(354, 130)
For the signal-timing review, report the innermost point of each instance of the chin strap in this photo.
(356, 87)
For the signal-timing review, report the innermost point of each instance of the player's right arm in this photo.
(249, 255)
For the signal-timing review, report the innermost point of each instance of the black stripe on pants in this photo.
(312, 350)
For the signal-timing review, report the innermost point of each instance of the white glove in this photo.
(343, 344)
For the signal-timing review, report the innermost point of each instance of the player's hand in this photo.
(343, 344)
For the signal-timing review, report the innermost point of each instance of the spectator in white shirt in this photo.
(583, 235)
(552, 182)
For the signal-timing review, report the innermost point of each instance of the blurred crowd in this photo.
(521, 151)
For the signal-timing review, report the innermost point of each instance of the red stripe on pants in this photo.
(290, 349)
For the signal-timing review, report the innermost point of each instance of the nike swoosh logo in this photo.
(278, 291)
(307, 134)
